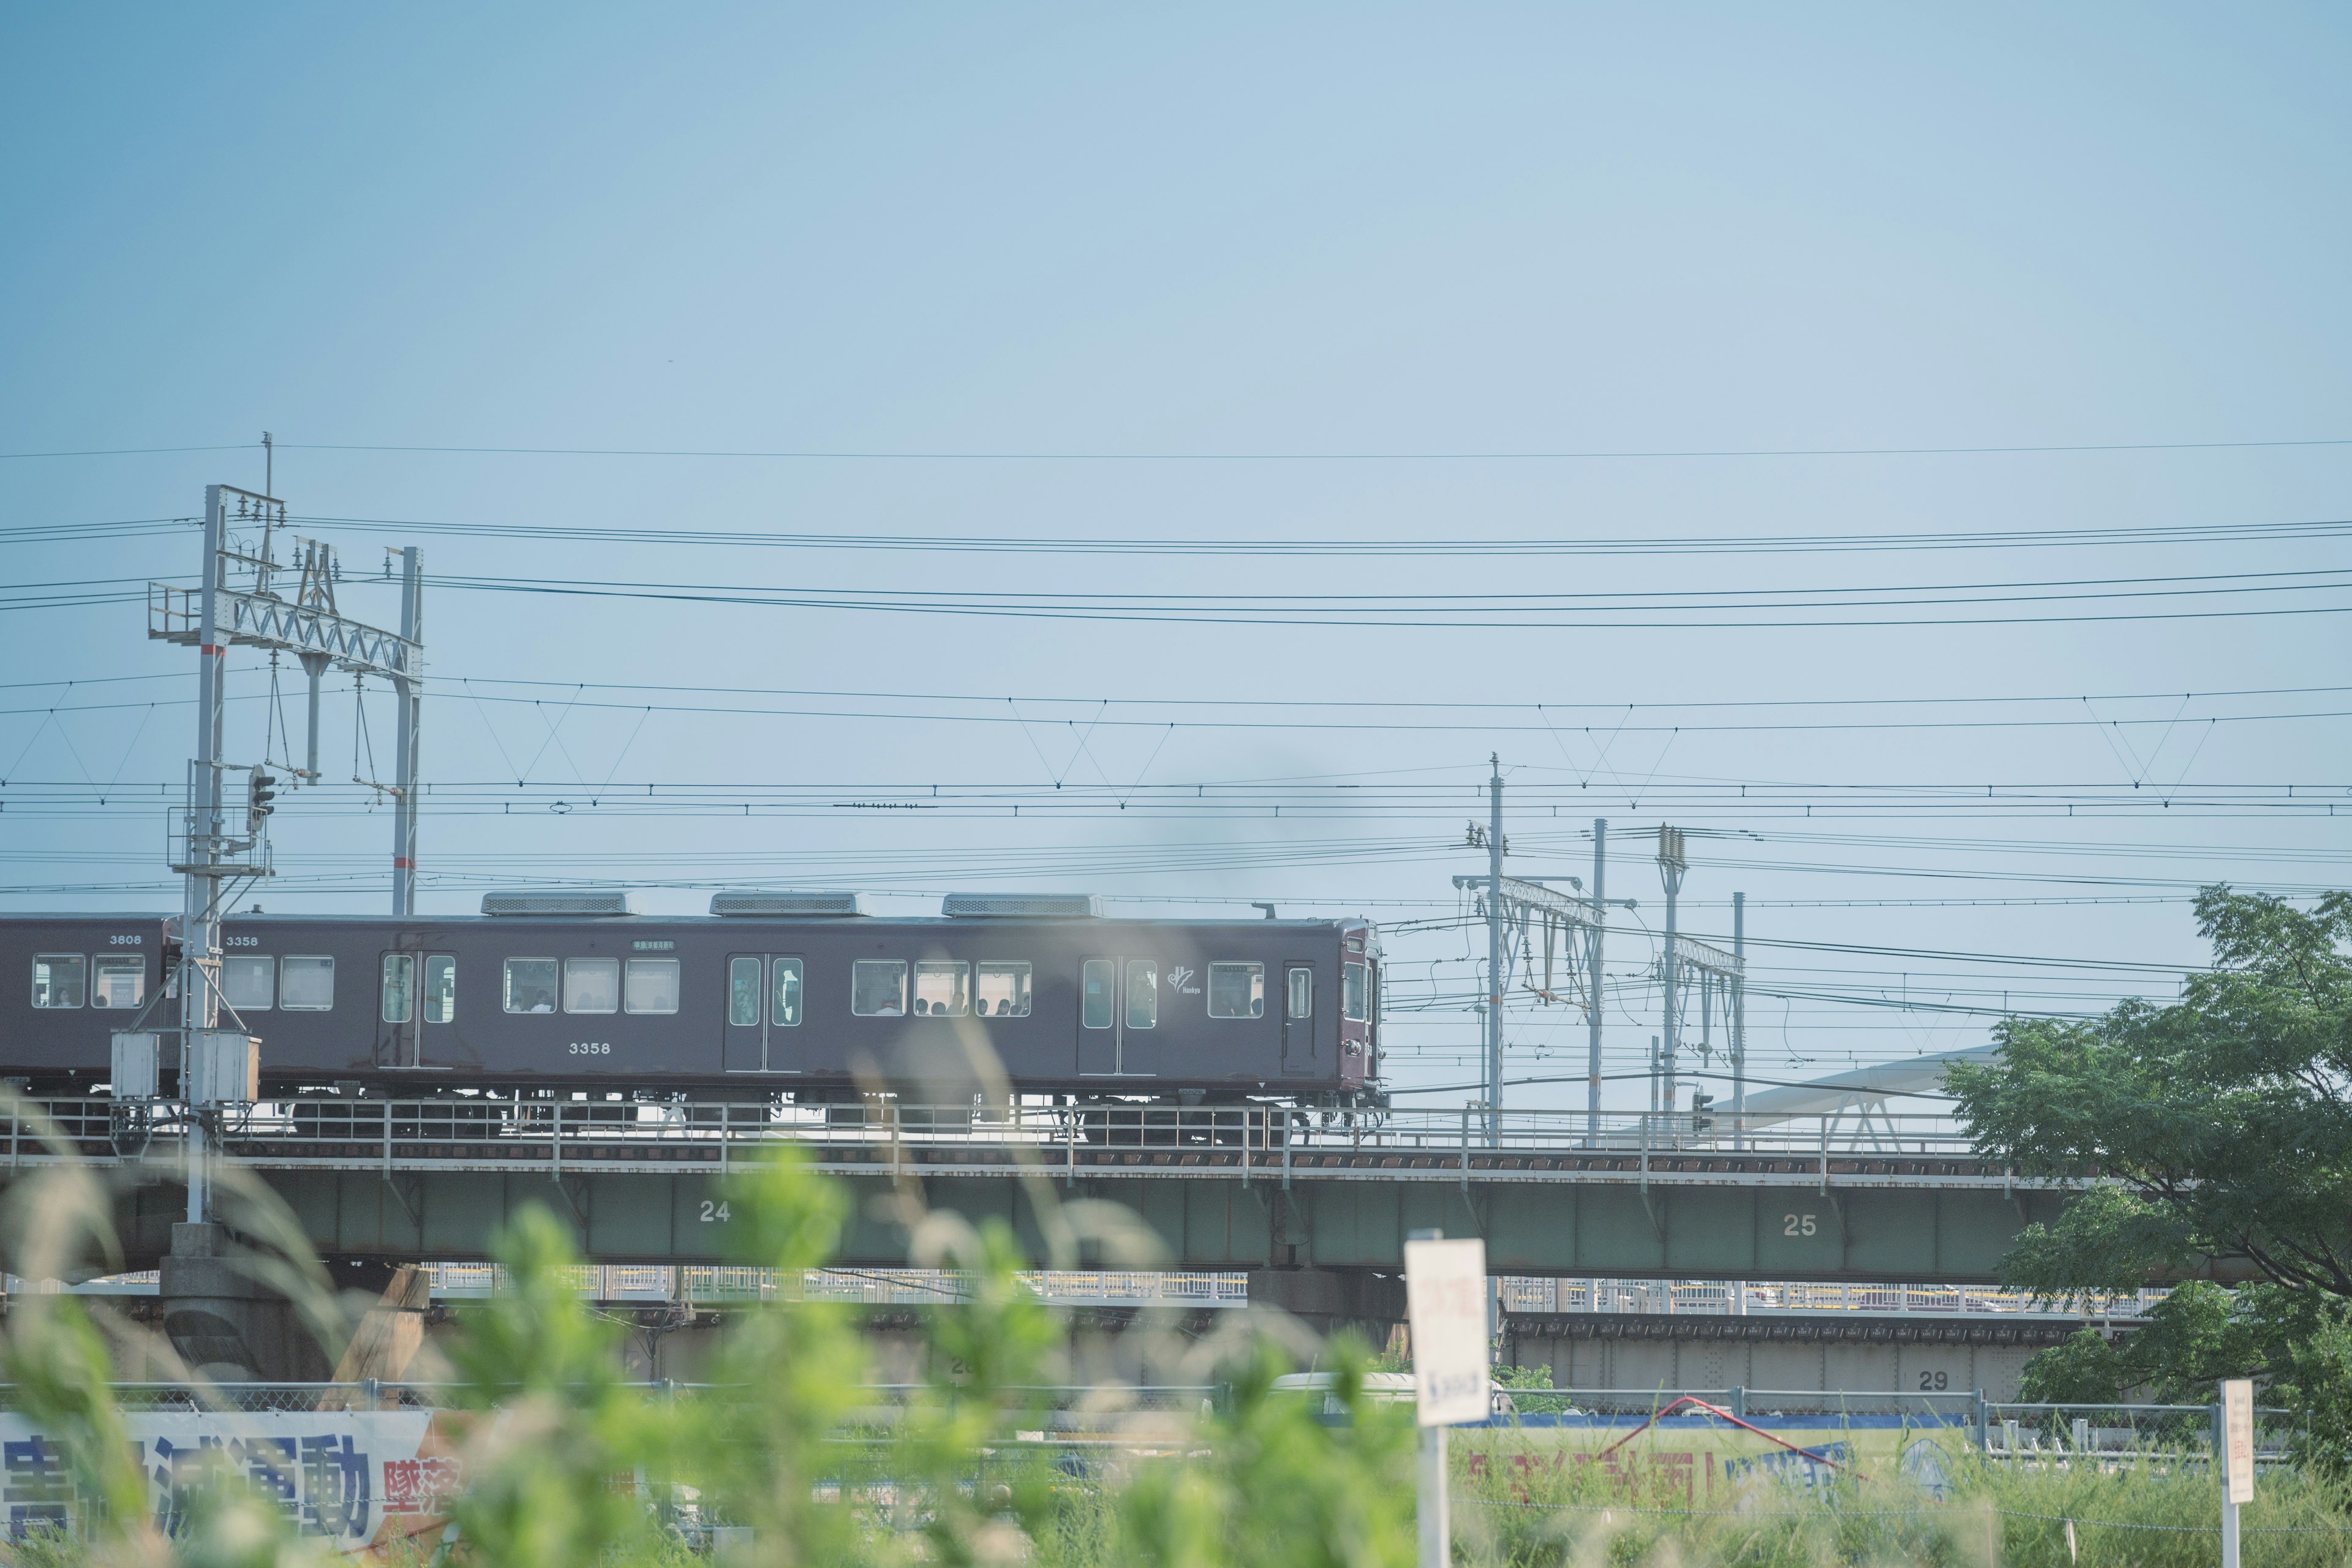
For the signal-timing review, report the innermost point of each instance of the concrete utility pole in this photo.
(200, 944)
(1672, 864)
(1593, 986)
(404, 804)
(1739, 1025)
(1495, 949)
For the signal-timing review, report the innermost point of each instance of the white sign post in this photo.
(2237, 1460)
(1445, 1297)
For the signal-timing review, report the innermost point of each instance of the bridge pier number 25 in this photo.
(1798, 1225)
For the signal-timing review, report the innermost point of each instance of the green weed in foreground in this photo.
(1546, 1511)
(788, 1444)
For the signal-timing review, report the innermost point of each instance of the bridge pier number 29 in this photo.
(1798, 1225)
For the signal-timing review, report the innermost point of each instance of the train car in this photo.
(803, 995)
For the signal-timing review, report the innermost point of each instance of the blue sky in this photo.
(1337, 257)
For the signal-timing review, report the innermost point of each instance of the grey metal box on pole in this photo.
(133, 1074)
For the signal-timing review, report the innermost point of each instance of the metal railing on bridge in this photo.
(1253, 1142)
(1765, 1298)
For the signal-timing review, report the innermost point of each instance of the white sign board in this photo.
(1445, 1297)
(2238, 1439)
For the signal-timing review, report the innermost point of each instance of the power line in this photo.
(1466, 456)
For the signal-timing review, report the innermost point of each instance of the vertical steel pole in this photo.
(1592, 986)
(404, 815)
(1432, 1516)
(1671, 871)
(1739, 1022)
(1495, 951)
(200, 946)
(314, 666)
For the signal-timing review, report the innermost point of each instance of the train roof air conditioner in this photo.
(559, 901)
(1023, 906)
(766, 902)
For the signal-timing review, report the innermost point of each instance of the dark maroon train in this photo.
(772, 994)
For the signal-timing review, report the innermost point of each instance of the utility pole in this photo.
(1739, 1027)
(403, 803)
(217, 1067)
(200, 944)
(1672, 864)
(1592, 986)
(1495, 950)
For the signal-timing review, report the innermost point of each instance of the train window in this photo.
(744, 992)
(60, 979)
(591, 984)
(399, 987)
(306, 985)
(1302, 994)
(784, 1001)
(1142, 994)
(118, 982)
(1001, 990)
(943, 990)
(650, 985)
(878, 988)
(1097, 979)
(248, 982)
(1237, 991)
(440, 988)
(1355, 993)
(530, 985)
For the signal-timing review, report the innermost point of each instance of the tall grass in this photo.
(568, 1466)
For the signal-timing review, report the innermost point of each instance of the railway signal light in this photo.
(258, 798)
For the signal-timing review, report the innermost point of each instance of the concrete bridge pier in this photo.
(1329, 1300)
(226, 1325)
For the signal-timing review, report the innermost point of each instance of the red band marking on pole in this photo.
(215, 649)
(402, 863)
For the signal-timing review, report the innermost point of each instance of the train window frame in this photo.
(286, 991)
(585, 965)
(630, 968)
(507, 987)
(1356, 993)
(778, 968)
(105, 965)
(1109, 970)
(448, 963)
(1297, 1007)
(80, 963)
(401, 990)
(958, 1004)
(738, 1014)
(858, 971)
(1023, 990)
(1148, 1016)
(249, 963)
(1253, 975)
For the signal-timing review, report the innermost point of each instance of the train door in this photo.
(764, 1004)
(436, 1011)
(396, 1009)
(1298, 1018)
(1098, 1030)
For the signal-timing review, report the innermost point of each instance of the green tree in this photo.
(2215, 1135)
(2221, 1122)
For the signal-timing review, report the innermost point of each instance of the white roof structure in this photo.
(1861, 1085)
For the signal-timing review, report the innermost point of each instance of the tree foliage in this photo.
(2217, 1135)
(2223, 1122)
